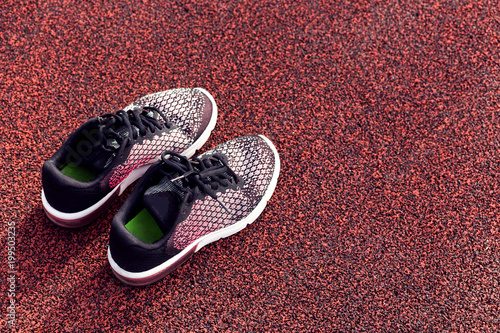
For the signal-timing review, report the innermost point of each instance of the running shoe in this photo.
(108, 153)
(181, 205)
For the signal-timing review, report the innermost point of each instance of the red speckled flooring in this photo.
(386, 115)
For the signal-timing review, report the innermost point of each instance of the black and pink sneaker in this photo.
(108, 153)
(181, 205)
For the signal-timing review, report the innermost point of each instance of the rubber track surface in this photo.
(386, 117)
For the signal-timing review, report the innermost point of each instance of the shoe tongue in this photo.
(100, 159)
(162, 201)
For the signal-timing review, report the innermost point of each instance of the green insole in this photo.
(79, 173)
(144, 227)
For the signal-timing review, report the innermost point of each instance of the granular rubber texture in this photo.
(386, 118)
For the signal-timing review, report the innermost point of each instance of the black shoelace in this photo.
(204, 175)
(111, 126)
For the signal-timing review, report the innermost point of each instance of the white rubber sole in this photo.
(86, 216)
(160, 271)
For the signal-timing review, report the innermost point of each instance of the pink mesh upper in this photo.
(148, 150)
(184, 107)
(252, 160)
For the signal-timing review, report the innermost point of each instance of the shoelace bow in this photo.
(200, 174)
(136, 117)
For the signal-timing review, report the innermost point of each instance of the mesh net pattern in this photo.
(144, 152)
(251, 159)
(184, 109)
(208, 216)
(177, 105)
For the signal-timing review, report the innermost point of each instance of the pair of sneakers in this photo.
(180, 204)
